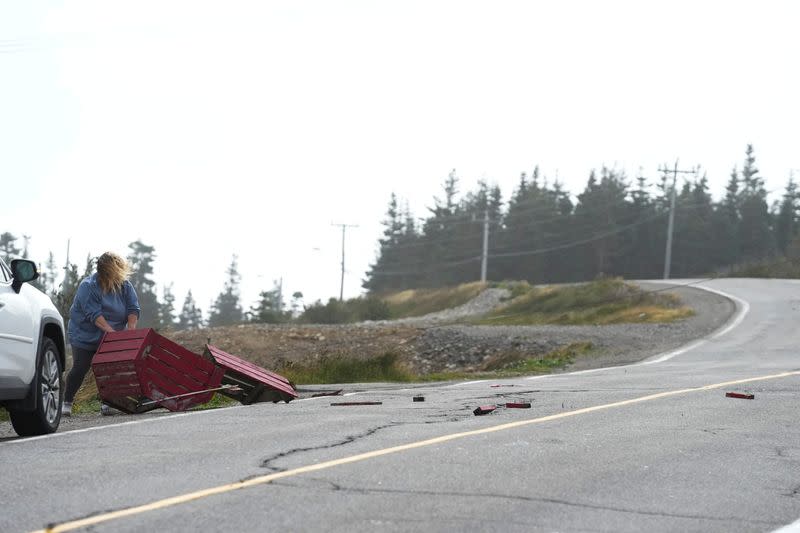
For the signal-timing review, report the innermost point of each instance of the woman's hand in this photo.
(103, 324)
(132, 321)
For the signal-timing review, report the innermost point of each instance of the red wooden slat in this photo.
(247, 368)
(127, 334)
(115, 357)
(243, 366)
(117, 346)
(120, 392)
(152, 380)
(188, 363)
(182, 353)
(191, 360)
(121, 366)
(185, 380)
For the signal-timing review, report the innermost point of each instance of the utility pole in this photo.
(485, 256)
(344, 229)
(671, 224)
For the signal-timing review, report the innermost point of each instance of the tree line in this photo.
(613, 227)
(541, 234)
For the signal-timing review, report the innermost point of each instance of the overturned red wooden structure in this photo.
(140, 370)
(252, 383)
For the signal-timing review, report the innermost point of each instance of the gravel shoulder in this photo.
(433, 343)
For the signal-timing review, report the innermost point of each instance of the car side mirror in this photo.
(22, 271)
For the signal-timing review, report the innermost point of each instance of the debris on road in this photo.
(328, 393)
(231, 388)
(498, 386)
(139, 370)
(418, 398)
(342, 404)
(484, 410)
(255, 384)
(743, 396)
(518, 405)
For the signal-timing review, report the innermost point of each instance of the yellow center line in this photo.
(260, 480)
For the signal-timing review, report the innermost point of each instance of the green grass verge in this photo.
(605, 301)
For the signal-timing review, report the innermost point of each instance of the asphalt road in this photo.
(648, 447)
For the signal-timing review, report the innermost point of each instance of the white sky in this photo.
(212, 128)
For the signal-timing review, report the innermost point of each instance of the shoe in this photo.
(105, 410)
(66, 409)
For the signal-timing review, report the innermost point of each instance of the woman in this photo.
(105, 301)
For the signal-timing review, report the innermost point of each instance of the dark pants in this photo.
(81, 362)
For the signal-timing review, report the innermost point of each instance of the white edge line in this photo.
(465, 383)
(794, 527)
(25, 440)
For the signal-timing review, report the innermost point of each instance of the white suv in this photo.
(32, 352)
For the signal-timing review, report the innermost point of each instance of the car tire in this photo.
(49, 389)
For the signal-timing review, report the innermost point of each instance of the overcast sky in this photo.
(212, 128)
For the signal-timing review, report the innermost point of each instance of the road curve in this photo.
(655, 446)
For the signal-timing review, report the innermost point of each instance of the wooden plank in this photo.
(118, 392)
(121, 345)
(127, 334)
(127, 377)
(113, 368)
(182, 353)
(151, 380)
(186, 380)
(184, 365)
(242, 365)
(114, 357)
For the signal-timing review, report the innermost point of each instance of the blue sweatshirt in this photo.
(90, 302)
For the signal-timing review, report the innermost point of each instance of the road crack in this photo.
(335, 487)
(266, 463)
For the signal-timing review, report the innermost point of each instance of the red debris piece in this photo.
(739, 395)
(133, 366)
(258, 384)
(518, 405)
(498, 386)
(340, 404)
(484, 410)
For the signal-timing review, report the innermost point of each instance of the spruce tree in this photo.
(755, 225)
(141, 258)
(8, 246)
(191, 317)
(270, 307)
(787, 222)
(226, 310)
(166, 312)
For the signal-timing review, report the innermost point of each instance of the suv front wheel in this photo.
(49, 388)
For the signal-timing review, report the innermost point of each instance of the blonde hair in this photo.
(112, 271)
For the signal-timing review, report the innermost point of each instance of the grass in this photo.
(418, 302)
(600, 302)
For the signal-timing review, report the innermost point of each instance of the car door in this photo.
(17, 344)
